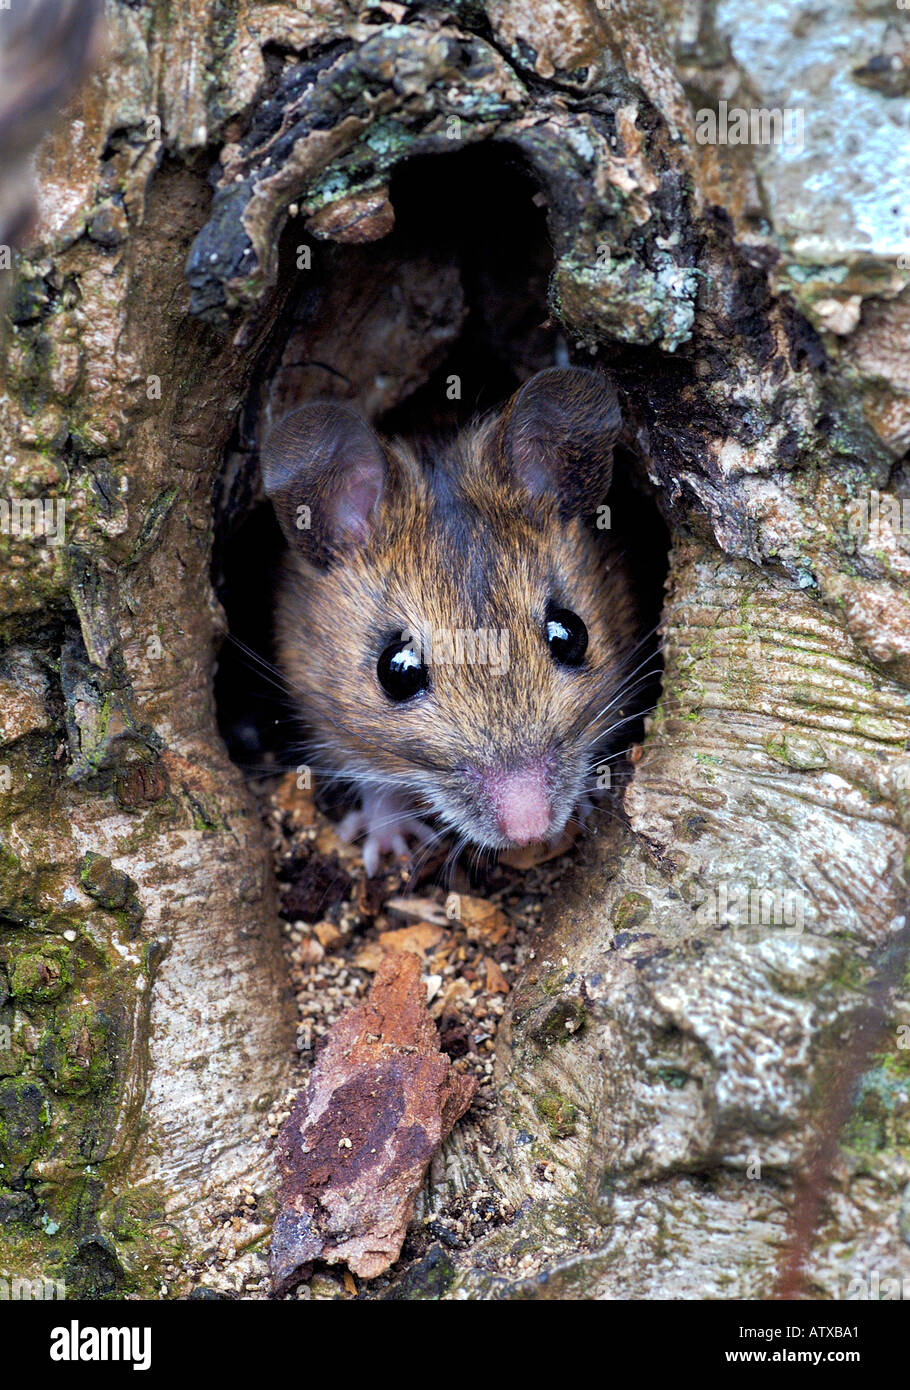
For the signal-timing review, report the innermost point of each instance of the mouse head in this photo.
(453, 623)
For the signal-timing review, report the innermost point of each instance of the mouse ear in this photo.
(325, 472)
(557, 435)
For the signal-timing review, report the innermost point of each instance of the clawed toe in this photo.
(372, 821)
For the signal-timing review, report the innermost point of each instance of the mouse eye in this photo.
(401, 671)
(567, 636)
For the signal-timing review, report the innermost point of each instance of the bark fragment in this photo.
(357, 1145)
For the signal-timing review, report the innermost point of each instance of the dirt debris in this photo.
(472, 936)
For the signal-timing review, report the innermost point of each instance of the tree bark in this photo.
(758, 335)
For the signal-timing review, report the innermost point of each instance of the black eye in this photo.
(567, 637)
(401, 671)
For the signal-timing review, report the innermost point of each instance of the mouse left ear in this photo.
(557, 434)
(325, 472)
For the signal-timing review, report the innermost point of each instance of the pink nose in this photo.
(521, 803)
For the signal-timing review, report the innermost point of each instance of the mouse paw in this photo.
(386, 821)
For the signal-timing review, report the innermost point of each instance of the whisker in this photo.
(624, 691)
(256, 660)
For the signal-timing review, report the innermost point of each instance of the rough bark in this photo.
(758, 335)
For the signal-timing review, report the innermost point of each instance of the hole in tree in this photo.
(455, 294)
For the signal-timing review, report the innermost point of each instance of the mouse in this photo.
(455, 624)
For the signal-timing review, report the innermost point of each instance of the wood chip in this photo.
(328, 934)
(356, 1146)
(496, 982)
(425, 909)
(311, 951)
(482, 920)
(422, 939)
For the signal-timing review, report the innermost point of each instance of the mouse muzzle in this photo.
(518, 801)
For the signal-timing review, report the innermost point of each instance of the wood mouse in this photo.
(457, 632)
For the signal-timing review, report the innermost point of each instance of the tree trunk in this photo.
(752, 301)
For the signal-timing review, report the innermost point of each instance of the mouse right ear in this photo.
(556, 437)
(325, 472)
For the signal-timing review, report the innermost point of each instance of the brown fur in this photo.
(458, 543)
